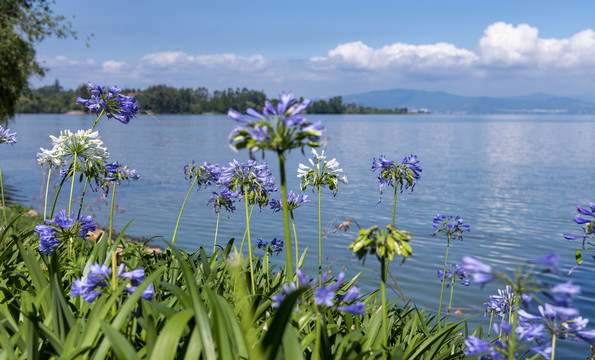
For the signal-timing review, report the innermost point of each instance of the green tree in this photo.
(23, 25)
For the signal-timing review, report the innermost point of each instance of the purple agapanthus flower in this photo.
(224, 199)
(62, 228)
(205, 175)
(452, 227)
(453, 272)
(481, 272)
(112, 102)
(250, 177)
(293, 202)
(275, 246)
(98, 278)
(589, 224)
(7, 137)
(403, 175)
(278, 128)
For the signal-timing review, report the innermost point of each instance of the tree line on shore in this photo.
(163, 99)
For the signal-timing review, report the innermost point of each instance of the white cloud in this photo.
(507, 58)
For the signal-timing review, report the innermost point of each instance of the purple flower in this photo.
(255, 179)
(293, 202)
(588, 229)
(278, 129)
(357, 308)
(224, 199)
(98, 277)
(7, 137)
(481, 272)
(121, 107)
(451, 226)
(453, 272)
(205, 174)
(63, 228)
(476, 346)
(324, 296)
(403, 175)
(550, 260)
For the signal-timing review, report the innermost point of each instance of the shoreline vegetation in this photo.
(162, 99)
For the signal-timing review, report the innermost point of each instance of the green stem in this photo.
(297, 253)
(249, 243)
(553, 347)
(383, 271)
(72, 184)
(512, 347)
(318, 341)
(98, 117)
(288, 250)
(246, 230)
(173, 239)
(83, 197)
(56, 197)
(216, 230)
(490, 327)
(395, 206)
(111, 217)
(266, 266)
(3, 203)
(443, 280)
(452, 288)
(319, 237)
(47, 189)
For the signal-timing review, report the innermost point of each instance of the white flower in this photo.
(322, 172)
(85, 144)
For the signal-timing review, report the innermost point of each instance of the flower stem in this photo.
(443, 279)
(173, 239)
(72, 184)
(111, 216)
(490, 327)
(288, 256)
(56, 196)
(249, 243)
(395, 206)
(47, 188)
(452, 288)
(553, 346)
(383, 271)
(319, 237)
(83, 197)
(246, 230)
(3, 203)
(297, 253)
(216, 230)
(98, 117)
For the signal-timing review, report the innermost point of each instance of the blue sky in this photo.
(325, 48)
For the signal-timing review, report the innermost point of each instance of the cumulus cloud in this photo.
(506, 57)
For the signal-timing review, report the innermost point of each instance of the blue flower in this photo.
(121, 107)
(293, 202)
(589, 228)
(453, 272)
(64, 228)
(550, 260)
(451, 226)
(277, 129)
(97, 279)
(223, 199)
(481, 272)
(252, 178)
(7, 137)
(403, 175)
(324, 296)
(276, 245)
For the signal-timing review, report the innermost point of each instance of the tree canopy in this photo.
(23, 25)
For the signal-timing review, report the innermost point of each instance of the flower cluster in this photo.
(204, 175)
(382, 243)
(7, 137)
(249, 178)
(322, 173)
(275, 246)
(392, 174)
(84, 144)
(450, 226)
(116, 172)
(112, 102)
(62, 228)
(502, 304)
(293, 202)
(278, 129)
(325, 296)
(588, 228)
(452, 273)
(97, 279)
(223, 199)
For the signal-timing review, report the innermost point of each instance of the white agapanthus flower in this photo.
(322, 173)
(85, 144)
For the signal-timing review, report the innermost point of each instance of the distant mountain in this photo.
(445, 103)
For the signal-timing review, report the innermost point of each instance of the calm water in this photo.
(515, 178)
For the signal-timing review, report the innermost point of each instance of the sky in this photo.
(325, 48)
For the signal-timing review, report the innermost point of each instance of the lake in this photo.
(516, 179)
